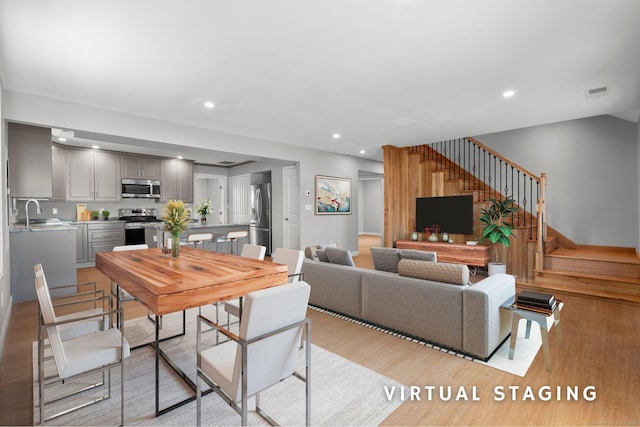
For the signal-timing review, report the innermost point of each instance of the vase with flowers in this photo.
(176, 220)
(204, 208)
(432, 232)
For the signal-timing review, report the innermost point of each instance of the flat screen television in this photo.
(454, 214)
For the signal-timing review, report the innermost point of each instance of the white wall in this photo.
(5, 283)
(373, 206)
(342, 229)
(593, 194)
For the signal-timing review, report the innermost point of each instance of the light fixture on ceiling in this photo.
(362, 151)
(336, 136)
(180, 157)
(62, 139)
(209, 104)
(95, 147)
(508, 93)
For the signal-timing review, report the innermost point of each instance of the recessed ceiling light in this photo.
(336, 136)
(62, 139)
(95, 147)
(508, 94)
(209, 104)
(180, 157)
(362, 151)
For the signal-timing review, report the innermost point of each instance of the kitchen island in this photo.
(153, 233)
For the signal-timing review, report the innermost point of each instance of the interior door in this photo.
(291, 226)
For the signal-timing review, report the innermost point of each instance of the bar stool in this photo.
(231, 237)
(197, 238)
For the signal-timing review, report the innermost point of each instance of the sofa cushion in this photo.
(457, 274)
(419, 255)
(311, 251)
(322, 256)
(385, 259)
(339, 256)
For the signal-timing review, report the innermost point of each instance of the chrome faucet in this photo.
(26, 208)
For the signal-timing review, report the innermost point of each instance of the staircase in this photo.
(539, 257)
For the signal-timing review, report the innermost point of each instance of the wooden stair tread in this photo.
(595, 255)
(604, 277)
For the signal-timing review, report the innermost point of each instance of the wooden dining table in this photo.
(197, 277)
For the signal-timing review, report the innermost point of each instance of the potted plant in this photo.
(105, 215)
(95, 215)
(498, 228)
(176, 220)
(432, 232)
(204, 208)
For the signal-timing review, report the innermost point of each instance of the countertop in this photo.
(53, 224)
(193, 225)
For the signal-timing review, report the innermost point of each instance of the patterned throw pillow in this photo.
(419, 255)
(457, 274)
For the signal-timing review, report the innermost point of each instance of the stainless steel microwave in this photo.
(141, 188)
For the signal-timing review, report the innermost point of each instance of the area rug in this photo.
(342, 392)
(526, 349)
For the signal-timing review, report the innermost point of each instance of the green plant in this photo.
(95, 214)
(105, 214)
(204, 208)
(498, 228)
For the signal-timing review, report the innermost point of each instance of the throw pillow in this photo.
(416, 254)
(385, 259)
(457, 274)
(322, 255)
(310, 252)
(340, 256)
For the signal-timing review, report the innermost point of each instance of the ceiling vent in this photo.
(596, 92)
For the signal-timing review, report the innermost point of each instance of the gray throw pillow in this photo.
(419, 255)
(385, 259)
(457, 274)
(340, 256)
(322, 255)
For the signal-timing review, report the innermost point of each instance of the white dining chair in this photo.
(231, 238)
(263, 353)
(291, 257)
(89, 353)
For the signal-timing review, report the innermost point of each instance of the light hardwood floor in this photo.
(601, 349)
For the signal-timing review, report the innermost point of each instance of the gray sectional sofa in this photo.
(457, 315)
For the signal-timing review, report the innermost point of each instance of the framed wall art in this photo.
(333, 195)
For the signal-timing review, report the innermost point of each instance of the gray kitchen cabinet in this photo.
(81, 243)
(140, 167)
(92, 175)
(103, 236)
(29, 161)
(176, 180)
(58, 162)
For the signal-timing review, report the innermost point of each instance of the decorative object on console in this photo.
(176, 220)
(333, 195)
(204, 208)
(432, 232)
(497, 228)
(414, 236)
(445, 237)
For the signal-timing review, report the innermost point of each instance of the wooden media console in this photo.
(459, 253)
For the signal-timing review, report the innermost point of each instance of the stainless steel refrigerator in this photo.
(260, 223)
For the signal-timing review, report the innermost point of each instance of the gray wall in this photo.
(592, 171)
(372, 221)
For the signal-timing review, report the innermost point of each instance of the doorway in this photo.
(290, 218)
(213, 187)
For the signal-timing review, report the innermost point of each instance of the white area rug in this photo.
(526, 349)
(342, 392)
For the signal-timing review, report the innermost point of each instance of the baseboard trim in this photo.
(4, 325)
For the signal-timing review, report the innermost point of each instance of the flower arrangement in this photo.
(434, 229)
(204, 208)
(176, 220)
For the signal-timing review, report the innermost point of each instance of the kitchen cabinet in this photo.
(58, 163)
(29, 161)
(92, 175)
(102, 236)
(140, 167)
(81, 243)
(176, 180)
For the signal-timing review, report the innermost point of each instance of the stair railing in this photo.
(492, 175)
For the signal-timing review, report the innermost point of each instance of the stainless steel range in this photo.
(135, 221)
